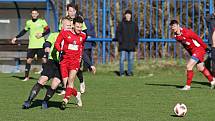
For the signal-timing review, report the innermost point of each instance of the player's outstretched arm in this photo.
(13, 41)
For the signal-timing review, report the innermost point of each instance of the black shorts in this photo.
(51, 69)
(32, 52)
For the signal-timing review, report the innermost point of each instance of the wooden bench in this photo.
(12, 52)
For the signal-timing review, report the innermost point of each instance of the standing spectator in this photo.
(37, 28)
(127, 36)
(210, 20)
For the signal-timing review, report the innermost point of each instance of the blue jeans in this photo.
(130, 58)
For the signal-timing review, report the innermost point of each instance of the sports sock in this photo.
(74, 92)
(34, 91)
(68, 93)
(189, 77)
(27, 69)
(207, 74)
(80, 76)
(50, 92)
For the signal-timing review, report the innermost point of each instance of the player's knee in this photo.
(56, 80)
(43, 80)
(44, 60)
(200, 68)
(29, 60)
(189, 67)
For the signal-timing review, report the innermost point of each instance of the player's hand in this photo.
(38, 35)
(93, 69)
(13, 41)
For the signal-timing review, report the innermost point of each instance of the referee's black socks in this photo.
(34, 91)
(50, 92)
(27, 69)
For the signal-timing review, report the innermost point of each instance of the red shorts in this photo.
(200, 54)
(67, 65)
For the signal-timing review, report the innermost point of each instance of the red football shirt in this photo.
(190, 40)
(73, 44)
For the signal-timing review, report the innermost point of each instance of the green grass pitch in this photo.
(149, 95)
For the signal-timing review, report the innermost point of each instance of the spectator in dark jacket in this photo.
(88, 45)
(210, 20)
(127, 36)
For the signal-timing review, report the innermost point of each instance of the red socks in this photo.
(70, 92)
(207, 74)
(189, 77)
(74, 92)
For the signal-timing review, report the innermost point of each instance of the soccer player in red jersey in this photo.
(196, 48)
(72, 49)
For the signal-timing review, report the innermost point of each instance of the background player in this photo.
(37, 28)
(196, 48)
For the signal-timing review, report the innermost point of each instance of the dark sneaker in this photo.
(63, 104)
(44, 105)
(26, 105)
(130, 74)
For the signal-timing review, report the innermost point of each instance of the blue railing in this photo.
(152, 17)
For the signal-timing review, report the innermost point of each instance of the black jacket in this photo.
(210, 20)
(127, 35)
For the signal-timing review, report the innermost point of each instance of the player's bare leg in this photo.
(206, 73)
(191, 63)
(70, 90)
(44, 60)
(27, 68)
(64, 86)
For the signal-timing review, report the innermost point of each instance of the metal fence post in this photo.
(103, 31)
(211, 8)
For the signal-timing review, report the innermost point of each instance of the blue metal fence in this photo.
(153, 17)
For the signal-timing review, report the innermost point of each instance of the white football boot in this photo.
(213, 83)
(186, 87)
(78, 99)
(26, 79)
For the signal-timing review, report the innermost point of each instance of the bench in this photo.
(12, 52)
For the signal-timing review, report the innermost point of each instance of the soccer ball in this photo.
(180, 109)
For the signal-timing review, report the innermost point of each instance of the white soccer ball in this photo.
(180, 109)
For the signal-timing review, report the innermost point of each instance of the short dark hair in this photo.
(34, 9)
(128, 12)
(78, 19)
(173, 22)
(71, 5)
